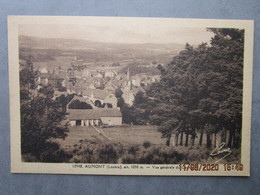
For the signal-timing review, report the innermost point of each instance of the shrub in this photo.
(133, 150)
(29, 158)
(99, 152)
(52, 153)
(146, 144)
(154, 155)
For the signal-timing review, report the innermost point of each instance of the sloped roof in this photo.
(77, 74)
(135, 90)
(115, 83)
(99, 94)
(45, 75)
(85, 114)
(95, 73)
(110, 88)
(81, 99)
(61, 74)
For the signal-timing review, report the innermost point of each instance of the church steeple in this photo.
(53, 71)
(128, 74)
(128, 82)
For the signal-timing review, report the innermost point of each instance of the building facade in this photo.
(95, 117)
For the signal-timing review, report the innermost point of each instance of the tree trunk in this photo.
(168, 140)
(223, 135)
(215, 140)
(231, 139)
(187, 139)
(181, 139)
(193, 136)
(208, 140)
(235, 140)
(201, 138)
(238, 139)
(176, 139)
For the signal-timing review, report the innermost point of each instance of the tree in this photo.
(118, 93)
(76, 104)
(227, 50)
(201, 90)
(41, 120)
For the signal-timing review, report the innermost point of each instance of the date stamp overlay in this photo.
(130, 96)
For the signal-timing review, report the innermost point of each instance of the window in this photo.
(78, 122)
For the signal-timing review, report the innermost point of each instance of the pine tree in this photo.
(201, 90)
(42, 119)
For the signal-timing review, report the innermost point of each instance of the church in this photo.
(128, 90)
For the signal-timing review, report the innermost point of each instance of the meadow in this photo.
(131, 145)
(132, 135)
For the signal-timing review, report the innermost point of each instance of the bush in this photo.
(102, 151)
(51, 153)
(54, 154)
(133, 150)
(98, 152)
(29, 158)
(154, 155)
(146, 144)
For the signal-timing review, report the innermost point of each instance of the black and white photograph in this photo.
(141, 96)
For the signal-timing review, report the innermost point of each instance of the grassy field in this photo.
(132, 135)
(126, 144)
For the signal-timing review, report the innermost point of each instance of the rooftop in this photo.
(99, 94)
(85, 114)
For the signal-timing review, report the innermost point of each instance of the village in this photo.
(96, 87)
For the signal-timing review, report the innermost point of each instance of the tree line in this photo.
(199, 93)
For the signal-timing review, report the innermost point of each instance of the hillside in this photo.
(97, 51)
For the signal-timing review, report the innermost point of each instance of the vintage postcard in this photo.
(130, 96)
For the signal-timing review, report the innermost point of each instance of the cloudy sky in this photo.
(120, 31)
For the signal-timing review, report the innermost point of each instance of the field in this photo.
(134, 144)
(126, 135)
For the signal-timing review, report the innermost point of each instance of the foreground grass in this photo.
(111, 152)
(133, 145)
(132, 135)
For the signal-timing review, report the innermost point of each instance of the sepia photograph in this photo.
(141, 96)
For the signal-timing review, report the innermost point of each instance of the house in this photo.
(77, 74)
(56, 82)
(86, 73)
(81, 99)
(98, 83)
(110, 88)
(110, 73)
(57, 78)
(102, 96)
(136, 81)
(96, 74)
(95, 117)
(44, 78)
(43, 70)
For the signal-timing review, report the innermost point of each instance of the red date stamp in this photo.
(231, 167)
(198, 167)
(210, 167)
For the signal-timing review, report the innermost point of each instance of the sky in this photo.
(120, 31)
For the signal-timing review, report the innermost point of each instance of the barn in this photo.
(95, 117)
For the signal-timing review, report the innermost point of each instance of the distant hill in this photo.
(45, 49)
(75, 44)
